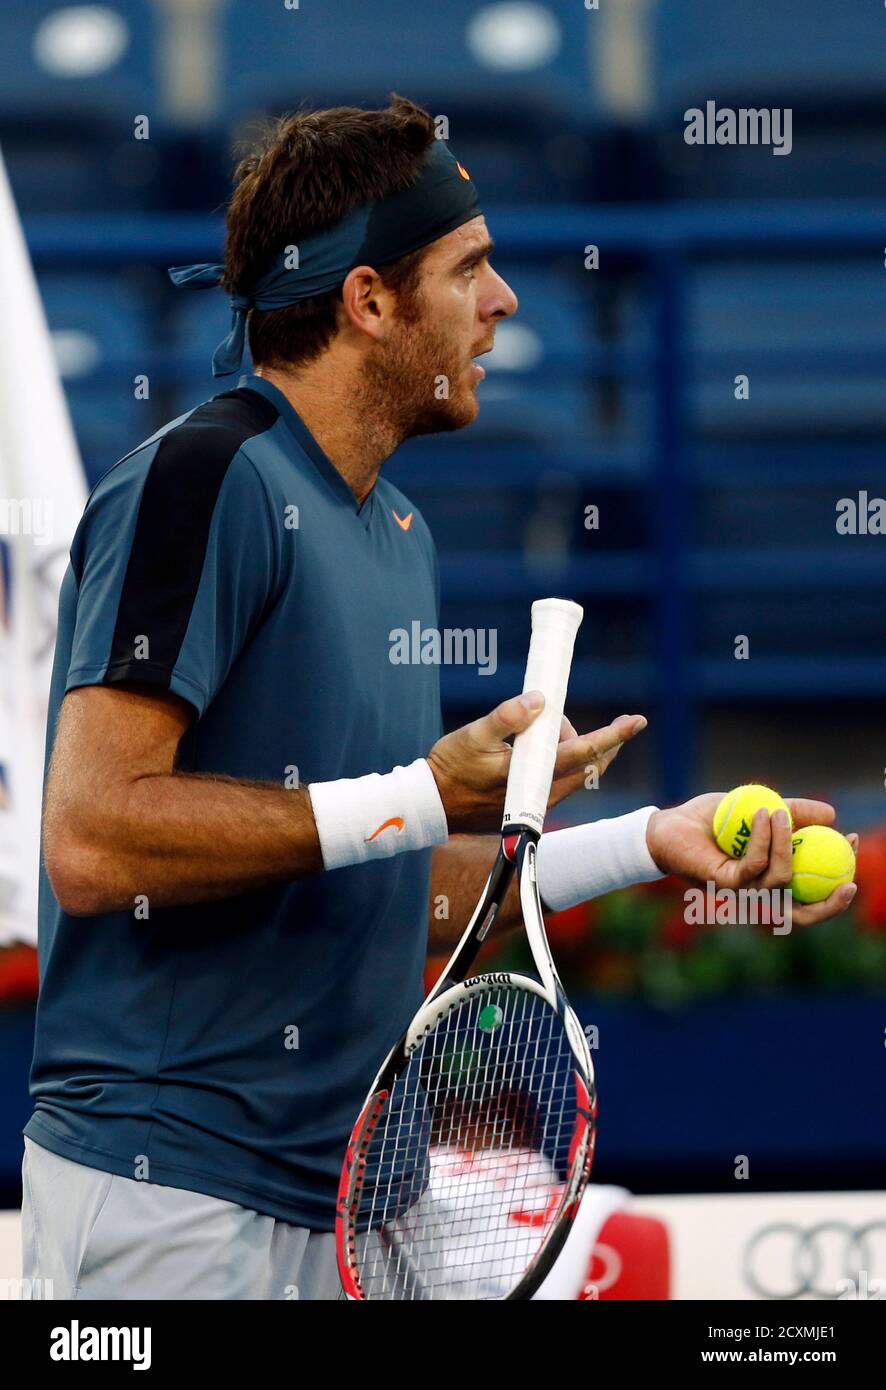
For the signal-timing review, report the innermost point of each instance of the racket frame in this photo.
(517, 854)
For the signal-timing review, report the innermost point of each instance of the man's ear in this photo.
(368, 303)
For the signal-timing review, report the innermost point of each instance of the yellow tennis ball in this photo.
(734, 815)
(823, 859)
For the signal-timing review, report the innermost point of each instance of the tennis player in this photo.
(250, 815)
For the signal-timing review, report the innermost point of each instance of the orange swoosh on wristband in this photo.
(397, 821)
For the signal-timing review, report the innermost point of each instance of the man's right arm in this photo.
(119, 821)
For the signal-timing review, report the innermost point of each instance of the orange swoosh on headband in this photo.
(397, 821)
(404, 521)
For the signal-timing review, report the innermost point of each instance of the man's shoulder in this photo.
(197, 446)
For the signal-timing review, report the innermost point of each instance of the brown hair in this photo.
(305, 173)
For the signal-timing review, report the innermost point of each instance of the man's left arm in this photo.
(593, 859)
(573, 865)
(459, 870)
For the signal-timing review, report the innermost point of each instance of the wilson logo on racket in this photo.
(498, 979)
(395, 822)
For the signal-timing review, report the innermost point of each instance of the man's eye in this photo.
(468, 272)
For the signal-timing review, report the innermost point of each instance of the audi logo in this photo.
(829, 1260)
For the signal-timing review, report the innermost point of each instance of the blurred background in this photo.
(615, 388)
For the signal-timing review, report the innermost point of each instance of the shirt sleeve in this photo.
(176, 560)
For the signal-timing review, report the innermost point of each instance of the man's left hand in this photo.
(681, 841)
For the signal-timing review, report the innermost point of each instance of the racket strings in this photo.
(463, 1175)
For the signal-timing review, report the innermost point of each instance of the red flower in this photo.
(18, 973)
(569, 929)
(659, 887)
(676, 933)
(870, 872)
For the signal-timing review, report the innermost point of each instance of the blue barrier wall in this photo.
(797, 1084)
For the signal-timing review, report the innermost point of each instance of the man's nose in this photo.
(501, 300)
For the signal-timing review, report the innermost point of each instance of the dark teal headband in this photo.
(441, 199)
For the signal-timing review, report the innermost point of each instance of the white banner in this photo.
(783, 1246)
(42, 494)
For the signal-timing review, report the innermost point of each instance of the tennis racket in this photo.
(470, 1155)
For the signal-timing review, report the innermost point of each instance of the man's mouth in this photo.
(479, 371)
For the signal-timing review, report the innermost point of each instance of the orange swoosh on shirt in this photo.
(462, 170)
(397, 821)
(404, 521)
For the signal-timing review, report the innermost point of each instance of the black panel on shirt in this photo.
(172, 530)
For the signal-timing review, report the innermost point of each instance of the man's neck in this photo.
(351, 429)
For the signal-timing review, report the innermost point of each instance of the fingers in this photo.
(853, 840)
(510, 717)
(808, 812)
(754, 863)
(767, 863)
(575, 752)
(574, 755)
(781, 866)
(768, 860)
(807, 914)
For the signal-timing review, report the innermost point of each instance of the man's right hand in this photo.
(471, 764)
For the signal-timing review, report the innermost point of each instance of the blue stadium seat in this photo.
(75, 78)
(81, 60)
(61, 168)
(196, 325)
(102, 332)
(524, 395)
(511, 78)
(805, 335)
(768, 51)
(279, 56)
(550, 370)
(821, 60)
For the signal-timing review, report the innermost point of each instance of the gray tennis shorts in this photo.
(100, 1236)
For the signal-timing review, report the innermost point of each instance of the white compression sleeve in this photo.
(586, 861)
(373, 817)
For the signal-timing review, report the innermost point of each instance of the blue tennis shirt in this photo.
(226, 1047)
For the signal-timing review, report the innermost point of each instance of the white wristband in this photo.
(373, 817)
(586, 861)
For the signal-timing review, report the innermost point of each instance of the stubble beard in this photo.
(415, 383)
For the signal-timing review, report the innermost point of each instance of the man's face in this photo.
(426, 360)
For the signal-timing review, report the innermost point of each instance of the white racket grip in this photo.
(555, 621)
